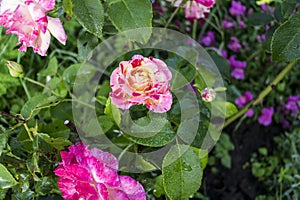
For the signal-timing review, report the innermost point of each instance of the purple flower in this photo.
(250, 112)
(293, 104)
(234, 44)
(208, 39)
(224, 53)
(237, 9)
(227, 24)
(266, 116)
(244, 99)
(242, 25)
(238, 73)
(238, 68)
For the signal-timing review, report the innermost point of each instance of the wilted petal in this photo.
(57, 30)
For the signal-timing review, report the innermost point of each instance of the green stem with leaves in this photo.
(263, 94)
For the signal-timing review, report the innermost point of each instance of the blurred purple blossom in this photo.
(238, 73)
(227, 24)
(266, 116)
(250, 112)
(293, 104)
(224, 53)
(244, 99)
(242, 25)
(234, 44)
(208, 38)
(238, 68)
(237, 9)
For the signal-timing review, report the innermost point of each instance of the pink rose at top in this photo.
(237, 9)
(266, 116)
(142, 81)
(28, 20)
(195, 9)
(92, 175)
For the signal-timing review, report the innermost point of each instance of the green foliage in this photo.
(182, 172)
(135, 14)
(6, 179)
(279, 171)
(286, 39)
(221, 151)
(90, 15)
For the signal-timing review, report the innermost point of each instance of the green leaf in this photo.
(285, 44)
(58, 143)
(45, 186)
(112, 112)
(62, 111)
(51, 70)
(156, 132)
(260, 19)
(131, 14)
(226, 109)
(68, 6)
(31, 107)
(90, 15)
(221, 63)
(105, 123)
(3, 89)
(6, 179)
(158, 188)
(85, 44)
(3, 141)
(69, 75)
(182, 72)
(144, 165)
(182, 172)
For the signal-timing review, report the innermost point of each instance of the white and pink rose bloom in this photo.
(195, 9)
(28, 20)
(92, 175)
(142, 80)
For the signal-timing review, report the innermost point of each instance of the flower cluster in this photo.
(266, 116)
(92, 175)
(293, 104)
(195, 9)
(237, 9)
(142, 81)
(238, 67)
(28, 20)
(243, 100)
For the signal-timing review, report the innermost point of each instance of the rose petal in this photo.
(132, 188)
(56, 29)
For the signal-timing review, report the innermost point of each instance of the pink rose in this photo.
(92, 175)
(142, 81)
(27, 19)
(195, 9)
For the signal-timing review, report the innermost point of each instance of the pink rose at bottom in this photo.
(142, 80)
(92, 175)
(266, 116)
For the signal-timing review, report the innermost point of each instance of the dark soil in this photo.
(238, 183)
